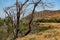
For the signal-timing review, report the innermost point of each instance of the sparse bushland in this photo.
(22, 31)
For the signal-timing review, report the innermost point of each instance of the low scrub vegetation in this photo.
(1, 22)
(49, 20)
(32, 39)
(23, 28)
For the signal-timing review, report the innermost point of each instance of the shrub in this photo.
(50, 20)
(32, 39)
(1, 22)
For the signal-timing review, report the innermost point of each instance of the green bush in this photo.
(9, 29)
(49, 21)
(1, 22)
(1, 35)
(32, 39)
(23, 28)
(38, 29)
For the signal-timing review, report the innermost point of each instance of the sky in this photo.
(6, 3)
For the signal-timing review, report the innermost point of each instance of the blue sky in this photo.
(6, 3)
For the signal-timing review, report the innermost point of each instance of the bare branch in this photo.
(25, 2)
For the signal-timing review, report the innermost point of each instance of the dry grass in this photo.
(50, 34)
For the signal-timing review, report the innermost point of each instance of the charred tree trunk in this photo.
(18, 17)
(29, 24)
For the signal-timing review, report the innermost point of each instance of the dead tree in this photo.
(15, 15)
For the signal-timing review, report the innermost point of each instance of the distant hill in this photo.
(46, 14)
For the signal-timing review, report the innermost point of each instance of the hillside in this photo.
(46, 14)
